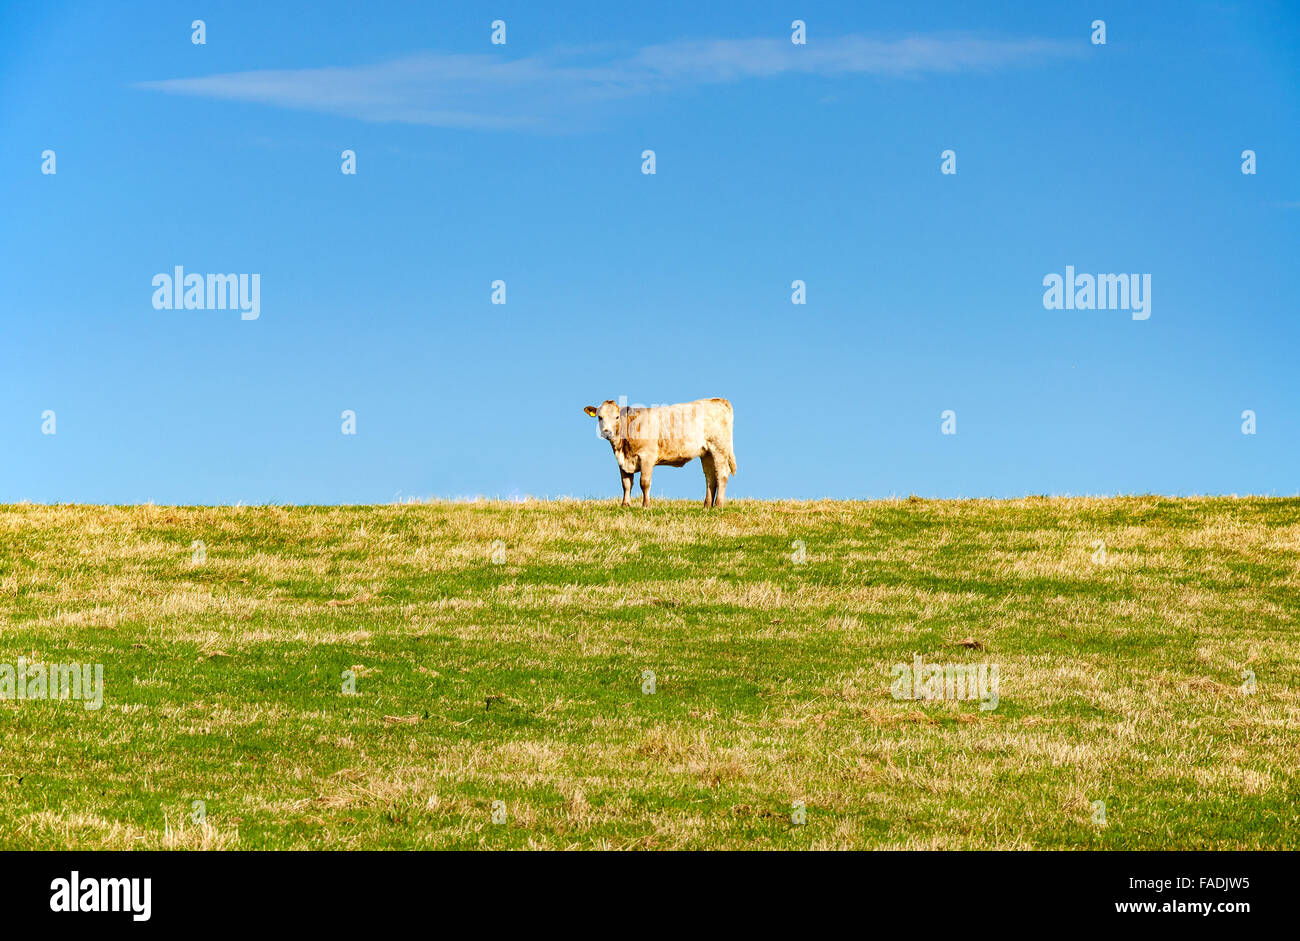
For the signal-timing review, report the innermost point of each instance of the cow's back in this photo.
(679, 433)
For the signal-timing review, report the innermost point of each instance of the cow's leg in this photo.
(627, 487)
(710, 478)
(645, 484)
(720, 468)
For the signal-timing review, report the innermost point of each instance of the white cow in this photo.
(673, 435)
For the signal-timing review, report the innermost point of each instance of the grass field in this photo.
(498, 652)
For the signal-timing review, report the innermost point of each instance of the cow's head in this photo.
(606, 415)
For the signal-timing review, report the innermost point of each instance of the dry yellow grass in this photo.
(362, 677)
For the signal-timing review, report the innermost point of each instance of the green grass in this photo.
(521, 682)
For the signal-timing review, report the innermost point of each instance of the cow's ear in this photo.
(590, 410)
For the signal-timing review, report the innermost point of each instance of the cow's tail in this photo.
(731, 451)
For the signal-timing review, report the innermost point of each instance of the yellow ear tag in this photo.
(590, 410)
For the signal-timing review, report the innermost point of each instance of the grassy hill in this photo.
(498, 654)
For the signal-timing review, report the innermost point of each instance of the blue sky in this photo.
(522, 162)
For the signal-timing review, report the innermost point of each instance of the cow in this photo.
(669, 434)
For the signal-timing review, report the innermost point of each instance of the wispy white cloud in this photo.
(491, 92)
